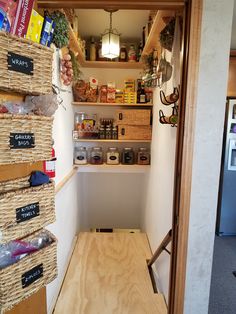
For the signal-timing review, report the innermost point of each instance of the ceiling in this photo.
(93, 22)
(129, 23)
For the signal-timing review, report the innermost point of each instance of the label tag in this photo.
(22, 140)
(27, 212)
(20, 63)
(32, 275)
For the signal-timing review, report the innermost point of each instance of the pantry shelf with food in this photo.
(111, 141)
(104, 104)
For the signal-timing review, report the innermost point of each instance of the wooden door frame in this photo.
(185, 133)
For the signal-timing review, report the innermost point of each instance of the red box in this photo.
(22, 18)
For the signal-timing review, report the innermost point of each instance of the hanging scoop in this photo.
(165, 69)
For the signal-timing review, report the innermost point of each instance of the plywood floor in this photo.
(108, 275)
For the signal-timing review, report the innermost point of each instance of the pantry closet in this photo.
(132, 197)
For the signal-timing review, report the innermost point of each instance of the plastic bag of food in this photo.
(45, 105)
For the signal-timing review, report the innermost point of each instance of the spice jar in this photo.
(113, 156)
(128, 156)
(108, 132)
(81, 157)
(143, 156)
(96, 157)
(114, 132)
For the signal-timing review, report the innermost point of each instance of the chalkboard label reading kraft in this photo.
(27, 212)
(20, 63)
(32, 275)
(21, 140)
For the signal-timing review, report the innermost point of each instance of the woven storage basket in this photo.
(11, 277)
(40, 82)
(24, 208)
(40, 127)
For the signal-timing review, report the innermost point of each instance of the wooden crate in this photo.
(133, 117)
(132, 132)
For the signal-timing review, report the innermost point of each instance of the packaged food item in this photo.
(81, 156)
(132, 57)
(130, 97)
(111, 92)
(128, 156)
(143, 156)
(123, 53)
(79, 118)
(119, 97)
(103, 93)
(129, 85)
(96, 157)
(113, 156)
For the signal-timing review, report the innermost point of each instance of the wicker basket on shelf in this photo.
(25, 138)
(25, 66)
(25, 209)
(22, 279)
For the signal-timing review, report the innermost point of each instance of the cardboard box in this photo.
(35, 27)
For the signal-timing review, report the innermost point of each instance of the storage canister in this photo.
(96, 157)
(143, 156)
(128, 157)
(81, 156)
(113, 156)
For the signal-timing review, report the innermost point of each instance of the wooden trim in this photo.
(60, 185)
(232, 53)
(184, 159)
(115, 4)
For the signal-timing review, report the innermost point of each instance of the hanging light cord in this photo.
(110, 21)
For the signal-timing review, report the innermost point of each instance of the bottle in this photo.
(92, 50)
(140, 50)
(141, 95)
(132, 54)
(123, 54)
(143, 36)
(150, 21)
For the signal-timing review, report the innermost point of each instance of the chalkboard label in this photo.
(20, 63)
(27, 212)
(21, 140)
(32, 275)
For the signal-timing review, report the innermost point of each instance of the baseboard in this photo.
(54, 301)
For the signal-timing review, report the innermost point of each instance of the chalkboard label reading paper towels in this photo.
(27, 212)
(20, 63)
(32, 275)
(22, 140)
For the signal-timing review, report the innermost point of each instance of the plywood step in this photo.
(108, 274)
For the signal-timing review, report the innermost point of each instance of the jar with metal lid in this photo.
(81, 156)
(102, 134)
(143, 156)
(96, 156)
(128, 157)
(79, 117)
(113, 156)
(115, 132)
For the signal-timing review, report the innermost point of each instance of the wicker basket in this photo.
(12, 278)
(38, 128)
(24, 208)
(40, 80)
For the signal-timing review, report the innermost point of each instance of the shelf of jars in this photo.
(111, 141)
(104, 168)
(110, 104)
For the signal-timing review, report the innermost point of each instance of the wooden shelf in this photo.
(112, 141)
(109, 104)
(113, 168)
(153, 37)
(75, 47)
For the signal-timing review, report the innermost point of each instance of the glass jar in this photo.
(113, 156)
(79, 117)
(132, 57)
(128, 156)
(81, 156)
(123, 54)
(102, 135)
(143, 156)
(96, 157)
(115, 132)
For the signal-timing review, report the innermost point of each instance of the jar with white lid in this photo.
(113, 156)
(96, 156)
(81, 156)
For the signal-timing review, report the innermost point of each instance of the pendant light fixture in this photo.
(110, 40)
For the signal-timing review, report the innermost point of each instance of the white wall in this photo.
(67, 211)
(157, 215)
(211, 95)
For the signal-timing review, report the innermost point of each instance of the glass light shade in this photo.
(110, 45)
